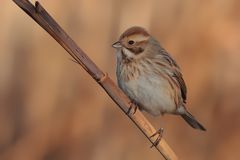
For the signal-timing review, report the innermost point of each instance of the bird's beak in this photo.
(117, 45)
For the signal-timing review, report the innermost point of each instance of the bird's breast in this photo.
(152, 92)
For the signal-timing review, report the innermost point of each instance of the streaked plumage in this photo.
(150, 76)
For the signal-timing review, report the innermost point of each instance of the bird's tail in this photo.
(192, 121)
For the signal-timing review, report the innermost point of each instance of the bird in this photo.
(150, 77)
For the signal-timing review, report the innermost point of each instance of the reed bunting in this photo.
(150, 77)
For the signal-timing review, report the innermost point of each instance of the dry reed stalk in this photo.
(40, 15)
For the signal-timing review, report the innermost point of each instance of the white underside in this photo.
(151, 92)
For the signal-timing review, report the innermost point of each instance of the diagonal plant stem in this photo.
(40, 15)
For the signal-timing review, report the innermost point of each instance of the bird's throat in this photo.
(126, 57)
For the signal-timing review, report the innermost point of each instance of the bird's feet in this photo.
(160, 134)
(133, 108)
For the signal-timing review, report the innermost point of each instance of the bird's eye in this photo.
(131, 42)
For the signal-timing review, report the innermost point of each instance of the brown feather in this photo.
(134, 30)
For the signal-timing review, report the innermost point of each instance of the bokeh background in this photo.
(50, 108)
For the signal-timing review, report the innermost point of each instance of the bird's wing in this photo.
(176, 74)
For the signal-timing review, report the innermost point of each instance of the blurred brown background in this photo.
(50, 109)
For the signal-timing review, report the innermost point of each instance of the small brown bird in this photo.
(150, 76)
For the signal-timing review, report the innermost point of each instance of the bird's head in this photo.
(132, 42)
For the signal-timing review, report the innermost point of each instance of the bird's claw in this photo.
(133, 107)
(160, 134)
